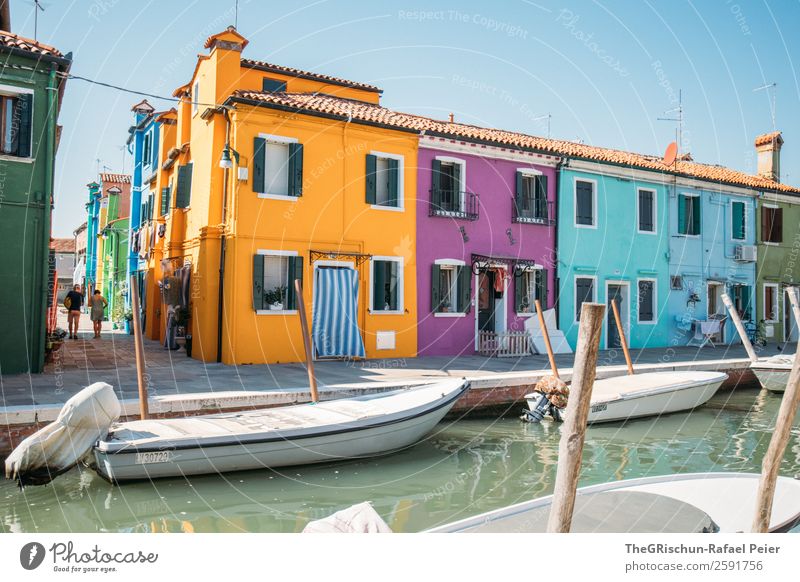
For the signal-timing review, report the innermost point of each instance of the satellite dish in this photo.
(671, 154)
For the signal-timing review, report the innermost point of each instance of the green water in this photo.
(466, 467)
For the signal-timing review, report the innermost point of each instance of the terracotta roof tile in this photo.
(116, 178)
(63, 245)
(11, 40)
(251, 63)
(370, 113)
(766, 138)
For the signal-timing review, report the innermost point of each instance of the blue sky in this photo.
(604, 71)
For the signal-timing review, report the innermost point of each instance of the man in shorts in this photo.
(73, 302)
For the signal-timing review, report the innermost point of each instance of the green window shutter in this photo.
(540, 210)
(777, 226)
(184, 189)
(378, 285)
(519, 191)
(258, 282)
(696, 215)
(519, 288)
(436, 184)
(371, 178)
(24, 110)
(737, 210)
(682, 214)
(541, 287)
(394, 181)
(746, 302)
(294, 271)
(295, 169)
(259, 160)
(436, 293)
(464, 279)
(164, 200)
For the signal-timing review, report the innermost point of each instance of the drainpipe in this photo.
(556, 279)
(222, 244)
(50, 158)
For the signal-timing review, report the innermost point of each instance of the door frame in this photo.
(501, 309)
(625, 314)
(330, 263)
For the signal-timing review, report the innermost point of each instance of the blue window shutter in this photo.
(682, 214)
(394, 181)
(696, 215)
(259, 159)
(295, 169)
(737, 209)
(371, 179)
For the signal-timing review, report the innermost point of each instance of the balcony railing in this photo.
(533, 211)
(454, 204)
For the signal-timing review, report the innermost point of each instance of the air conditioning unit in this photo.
(744, 253)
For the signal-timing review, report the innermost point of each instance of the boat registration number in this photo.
(599, 407)
(153, 457)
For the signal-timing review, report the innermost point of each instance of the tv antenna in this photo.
(772, 90)
(236, 14)
(37, 6)
(678, 112)
(548, 117)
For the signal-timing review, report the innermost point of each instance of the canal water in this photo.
(466, 467)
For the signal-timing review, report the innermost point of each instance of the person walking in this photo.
(98, 304)
(73, 302)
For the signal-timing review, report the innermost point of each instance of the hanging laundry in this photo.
(499, 279)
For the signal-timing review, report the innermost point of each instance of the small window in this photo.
(15, 125)
(448, 191)
(647, 301)
(277, 167)
(742, 301)
(448, 284)
(146, 150)
(771, 224)
(771, 303)
(530, 285)
(450, 288)
(584, 203)
(383, 181)
(647, 211)
(676, 282)
(269, 85)
(386, 276)
(688, 214)
(196, 97)
(738, 225)
(530, 200)
(584, 292)
(273, 281)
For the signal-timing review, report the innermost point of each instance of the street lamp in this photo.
(225, 161)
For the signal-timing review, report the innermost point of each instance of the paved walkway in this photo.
(111, 359)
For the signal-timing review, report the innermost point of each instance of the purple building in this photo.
(485, 242)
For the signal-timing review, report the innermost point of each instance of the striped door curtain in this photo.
(335, 320)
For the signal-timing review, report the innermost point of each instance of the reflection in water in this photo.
(467, 467)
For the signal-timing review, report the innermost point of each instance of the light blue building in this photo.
(92, 223)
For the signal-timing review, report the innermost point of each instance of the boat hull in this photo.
(681, 391)
(772, 379)
(272, 451)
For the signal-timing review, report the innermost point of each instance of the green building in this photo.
(112, 244)
(32, 84)
(778, 242)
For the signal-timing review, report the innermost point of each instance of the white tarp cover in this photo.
(360, 518)
(54, 449)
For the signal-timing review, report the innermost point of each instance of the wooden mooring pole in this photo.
(792, 293)
(777, 446)
(622, 339)
(301, 309)
(573, 433)
(737, 321)
(546, 337)
(138, 344)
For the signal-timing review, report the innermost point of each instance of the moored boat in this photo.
(773, 373)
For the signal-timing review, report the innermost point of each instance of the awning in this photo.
(335, 319)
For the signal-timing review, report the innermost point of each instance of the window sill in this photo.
(646, 322)
(276, 312)
(279, 197)
(771, 244)
(9, 158)
(688, 235)
(589, 226)
(526, 314)
(389, 208)
(384, 312)
(650, 232)
(771, 321)
(449, 314)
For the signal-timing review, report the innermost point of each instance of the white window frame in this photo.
(575, 293)
(595, 209)
(462, 203)
(400, 285)
(528, 269)
(13, 91)
(455, 263)
(195, 97)
(776, 301)
(763, 242)
(654, 281)
(678, 201)
(273, 253)
(282, 140)
(655, 210)
(740, 241)
(401, 195)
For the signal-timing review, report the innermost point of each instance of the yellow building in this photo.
(275, 174)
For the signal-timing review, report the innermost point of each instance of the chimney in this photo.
(768, 149)
(5, 15)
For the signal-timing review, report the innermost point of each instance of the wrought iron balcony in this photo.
(461, 205)
(533, 211)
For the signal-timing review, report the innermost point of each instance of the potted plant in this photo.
(274, 298)
(128, 317)
(445, 306)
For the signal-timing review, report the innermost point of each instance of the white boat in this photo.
(773, 373)
(694, 502)
(302, 434)
(651, 394)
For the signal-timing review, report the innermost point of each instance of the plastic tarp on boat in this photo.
(335, 321)
(56, 448)
(360, 518)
